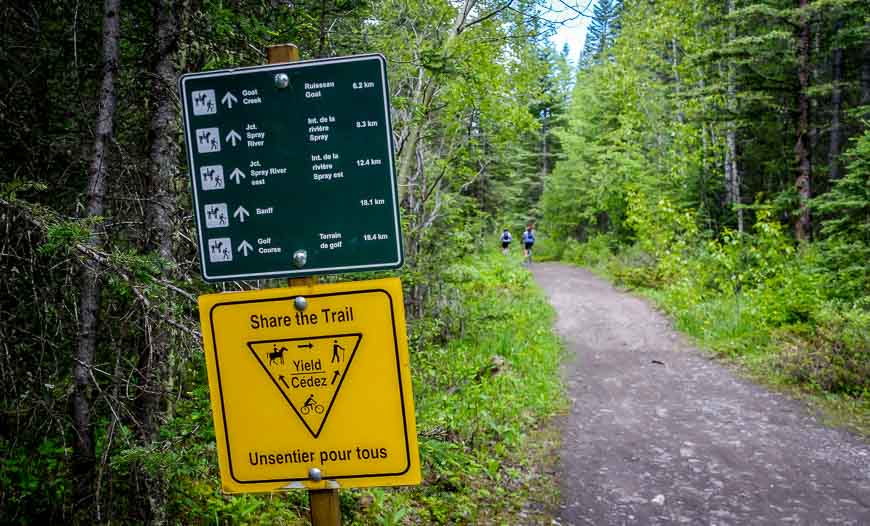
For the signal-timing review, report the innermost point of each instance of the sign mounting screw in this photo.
(282, 80)
(300, 258)
(314, 474)
(300, 303)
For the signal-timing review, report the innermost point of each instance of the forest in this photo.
(713, 156)
(716, 155)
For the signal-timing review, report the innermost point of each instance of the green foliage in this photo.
(602, 30)
(835, 355)
(547, 249)
(846, 224)
(11, 189)
(595, 253)
(664, 231)
(33, 481)
(63, 236)
(502, 356)
(387, 511)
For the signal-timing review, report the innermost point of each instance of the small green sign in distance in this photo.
(292, 168)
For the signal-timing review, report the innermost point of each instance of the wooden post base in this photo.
(325, 510)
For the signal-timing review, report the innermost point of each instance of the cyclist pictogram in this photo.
(311, 405)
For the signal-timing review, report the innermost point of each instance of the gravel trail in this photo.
(658, 433)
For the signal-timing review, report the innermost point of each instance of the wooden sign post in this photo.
(324, 503)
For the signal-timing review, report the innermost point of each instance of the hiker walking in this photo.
(528, 242)
(506, 239)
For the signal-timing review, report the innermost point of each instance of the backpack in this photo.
(528, 237)
(506, 237)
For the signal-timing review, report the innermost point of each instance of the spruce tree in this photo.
(602, 31)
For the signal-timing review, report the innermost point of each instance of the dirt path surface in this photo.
(660, 434)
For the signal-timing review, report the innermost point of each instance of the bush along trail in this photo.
(658, 433)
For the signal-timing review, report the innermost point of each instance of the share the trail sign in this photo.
(292, 168)
(326, 386)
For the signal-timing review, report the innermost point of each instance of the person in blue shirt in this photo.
(506, 239)
(528, 241)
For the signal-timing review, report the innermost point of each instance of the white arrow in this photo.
(229, 99)
(233, 136)
(238, 175)
(244, 248)
(241, 213)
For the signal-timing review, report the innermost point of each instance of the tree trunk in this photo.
(423, 95)
(83, 465)
(410, 156)
(815, 74)
(164, 149)
(865, 79)
(153, 358)
(836, 107)
(545, 153)
(732, 171)
(729, 176)
(675, 64)
(801, 148)
(321, 40)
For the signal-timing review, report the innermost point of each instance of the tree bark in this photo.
(545, 147)
(153, 358)
(865, 79)
(83, 464)
(732, 171)
(164, 148)
(836, 144)
(801, 148)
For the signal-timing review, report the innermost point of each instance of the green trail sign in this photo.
(292, 168)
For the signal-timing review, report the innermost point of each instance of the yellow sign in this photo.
(311, 377)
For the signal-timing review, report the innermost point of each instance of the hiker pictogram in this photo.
(308, 372)
(216, 215)
(204, 102)
(212, 177)
(219, 250)
(336, 358)
(208, 140)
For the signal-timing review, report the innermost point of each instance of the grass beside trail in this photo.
(486, 381)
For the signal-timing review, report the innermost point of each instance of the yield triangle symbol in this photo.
(308, 372)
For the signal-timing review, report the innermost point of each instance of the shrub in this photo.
(594, 253)
(548, 249)
(834, 355)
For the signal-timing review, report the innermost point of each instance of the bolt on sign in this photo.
(292, 168)
(311, 377)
